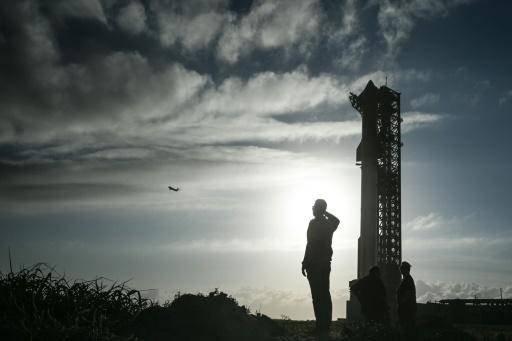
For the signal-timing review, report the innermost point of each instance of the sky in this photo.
(244, 106)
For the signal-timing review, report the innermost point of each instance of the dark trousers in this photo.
(318, 277)
(407, 319)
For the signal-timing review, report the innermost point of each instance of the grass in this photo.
(36, 303)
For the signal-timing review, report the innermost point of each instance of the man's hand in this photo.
(332, 219)
(303, 271)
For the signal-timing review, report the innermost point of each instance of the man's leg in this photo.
(326, 302)
(314, 284)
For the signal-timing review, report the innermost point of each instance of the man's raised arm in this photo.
(332, 220)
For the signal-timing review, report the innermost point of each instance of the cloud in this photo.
(117, 103)
(472, 249)
(417, 119)
(29, 48)
(193, 24)
(507, 96)
(394, 78)
(193, 31)
(183, 110)
(62, 191)
(257, 130)
(125, 109)
(427, 99)
(397, 19)
(270, 25)
(293, 243)
(125, 89)
(280, 303)
(433, 221)
(234, 245)
(129, 96)
(347, 40)
(350, 21)
(297, 305)
(435, 291)
(81, 9)
(198, 25)
(132, 17)
(353, 54)
(270, 93)
(463, 246)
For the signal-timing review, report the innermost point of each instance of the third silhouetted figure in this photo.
(406, 296)
(317, 263)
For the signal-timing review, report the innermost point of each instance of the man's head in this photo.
(319, 207)
(405, 268)
(375, 271)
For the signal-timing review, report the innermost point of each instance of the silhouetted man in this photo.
(317, 263)
(407, 302)
(371, 293)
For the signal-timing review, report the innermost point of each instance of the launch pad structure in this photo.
(378, 154)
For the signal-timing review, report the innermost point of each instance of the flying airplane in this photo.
(174, 189)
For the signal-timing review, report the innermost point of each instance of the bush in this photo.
(38, 304)
(198, 317)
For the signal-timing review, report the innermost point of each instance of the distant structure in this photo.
(378, 154)
(468, 311)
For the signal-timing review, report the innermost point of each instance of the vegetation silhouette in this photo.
(215, 316)
(36, 303)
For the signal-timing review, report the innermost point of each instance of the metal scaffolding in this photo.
(388, 177)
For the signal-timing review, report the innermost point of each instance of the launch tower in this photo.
(378, 154)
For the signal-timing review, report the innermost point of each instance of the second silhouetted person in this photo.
(371, 293)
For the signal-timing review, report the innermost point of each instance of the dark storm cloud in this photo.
(79, 69)
(91, 86)
(43, 91)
